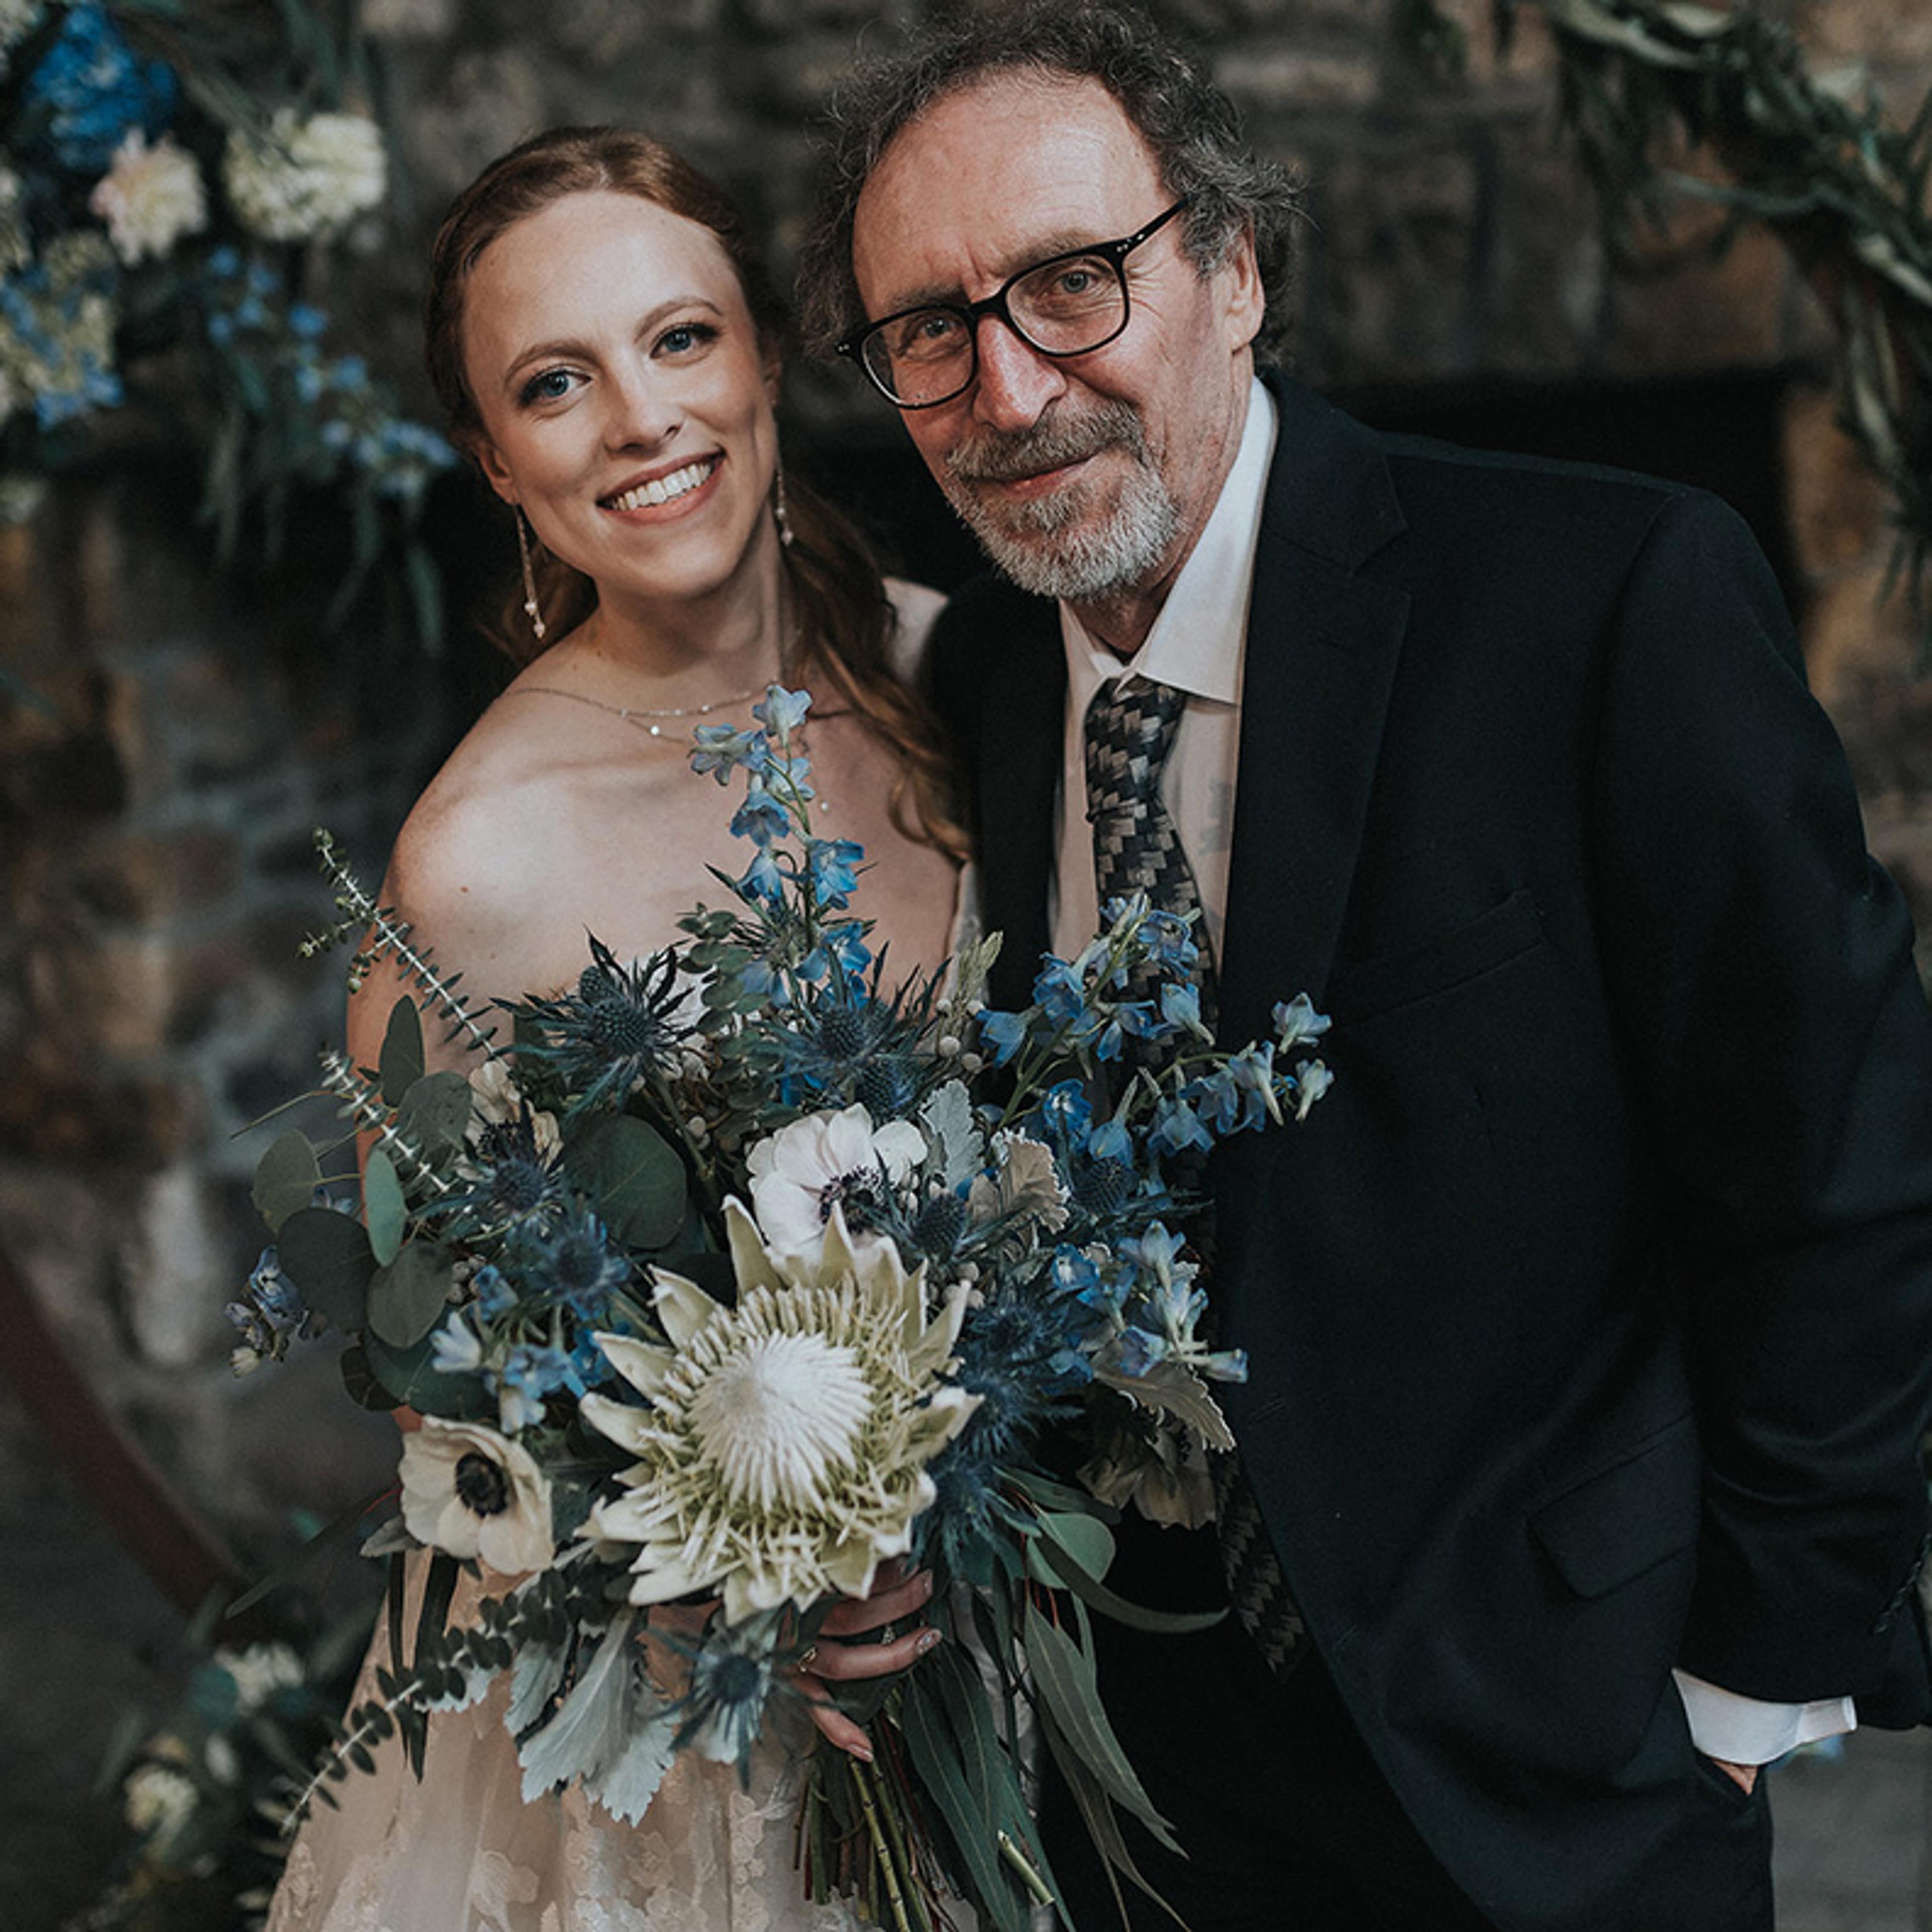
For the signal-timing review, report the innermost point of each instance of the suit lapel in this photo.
(1321, 650)
(1022, 700)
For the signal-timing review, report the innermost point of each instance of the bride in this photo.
(606, 347)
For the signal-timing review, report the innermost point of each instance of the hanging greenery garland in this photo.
(1815, 157)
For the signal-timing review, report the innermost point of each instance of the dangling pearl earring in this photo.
(778, 513)
(532, 609)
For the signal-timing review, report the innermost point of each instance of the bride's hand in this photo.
(836, 1658)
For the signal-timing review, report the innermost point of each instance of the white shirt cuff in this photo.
(1745, 1730)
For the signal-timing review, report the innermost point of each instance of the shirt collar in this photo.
(1196, 642)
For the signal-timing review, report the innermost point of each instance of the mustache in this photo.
(1006, 456)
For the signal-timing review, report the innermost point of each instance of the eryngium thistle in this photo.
(617, 1028)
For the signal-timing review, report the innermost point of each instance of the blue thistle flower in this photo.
(516, 1182)
(731, 1680)
(618, 1027)
(572, 1264)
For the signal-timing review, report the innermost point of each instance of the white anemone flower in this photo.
(783, 1455)
(474, 1493)
(800, 1174)
(496, 1099)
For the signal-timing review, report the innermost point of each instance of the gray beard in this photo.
(1045, 547)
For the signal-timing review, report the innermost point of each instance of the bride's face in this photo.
(625, 399)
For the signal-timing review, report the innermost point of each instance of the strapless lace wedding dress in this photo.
(461, 1852)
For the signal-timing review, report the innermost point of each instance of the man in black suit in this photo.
(1590, 1315)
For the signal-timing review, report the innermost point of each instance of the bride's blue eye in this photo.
(547, 385)
(685, 336)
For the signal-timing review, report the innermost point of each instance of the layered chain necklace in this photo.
(652, 721)
(644, 719)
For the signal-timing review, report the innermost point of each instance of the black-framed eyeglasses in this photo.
(1067, 305)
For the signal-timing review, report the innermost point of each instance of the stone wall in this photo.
(156, 792)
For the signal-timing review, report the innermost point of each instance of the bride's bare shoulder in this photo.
(486, 846)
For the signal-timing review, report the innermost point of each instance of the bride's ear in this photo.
(495, 471)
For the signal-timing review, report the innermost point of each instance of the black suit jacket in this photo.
(1590, 1315)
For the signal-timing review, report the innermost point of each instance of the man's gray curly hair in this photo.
(1189, 125)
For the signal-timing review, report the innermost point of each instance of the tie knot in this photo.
(1129, 728)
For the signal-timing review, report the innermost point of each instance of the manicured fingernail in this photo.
(926, 1641)
(863, 1753)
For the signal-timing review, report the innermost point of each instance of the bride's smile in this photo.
(626, 401)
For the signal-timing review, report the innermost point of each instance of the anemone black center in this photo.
(481, 1485)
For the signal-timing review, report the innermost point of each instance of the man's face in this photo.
(1088, 477)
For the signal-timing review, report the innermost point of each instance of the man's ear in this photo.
(1244, 301)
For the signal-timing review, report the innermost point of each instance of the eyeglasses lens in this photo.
(1064, 307)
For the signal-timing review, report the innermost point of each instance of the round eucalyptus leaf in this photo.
(410, 1376)
(407, 1296)
(1086, 1539)
(384, 1210)
(434, 1115)
(359, 1379)
(401, 1064)
(635, 1177)
(327, 1256)
(286, 1178)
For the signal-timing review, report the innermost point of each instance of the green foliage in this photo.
(328, 1257)
(634, 1178)
(1814, 158)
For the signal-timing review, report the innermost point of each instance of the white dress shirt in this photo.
(1197, 645)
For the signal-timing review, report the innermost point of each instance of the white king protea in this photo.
(783, 1454)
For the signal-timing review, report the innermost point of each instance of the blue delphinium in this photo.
(270, 1314)
(93, 88)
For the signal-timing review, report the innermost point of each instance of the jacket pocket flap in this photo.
(1614, 1525)
(1372, 987)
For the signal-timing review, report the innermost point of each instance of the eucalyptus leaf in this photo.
(286, 1178)
(401, 1063)
(1052, 1564)
(1082, 1536)
(407, 1297)
(1064, 1675)
(434, 1115)
(634, 1176)
(410, 1376)
(359, 1379)
(936, 1756)
(385, 1212)
(327, 1256)
(1097, 1814)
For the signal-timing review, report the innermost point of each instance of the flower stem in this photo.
(885, 1853)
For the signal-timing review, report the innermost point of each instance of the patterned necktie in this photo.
(1130, 726)
(1130, 730)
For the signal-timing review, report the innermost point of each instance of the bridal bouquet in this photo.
(728, 1278)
